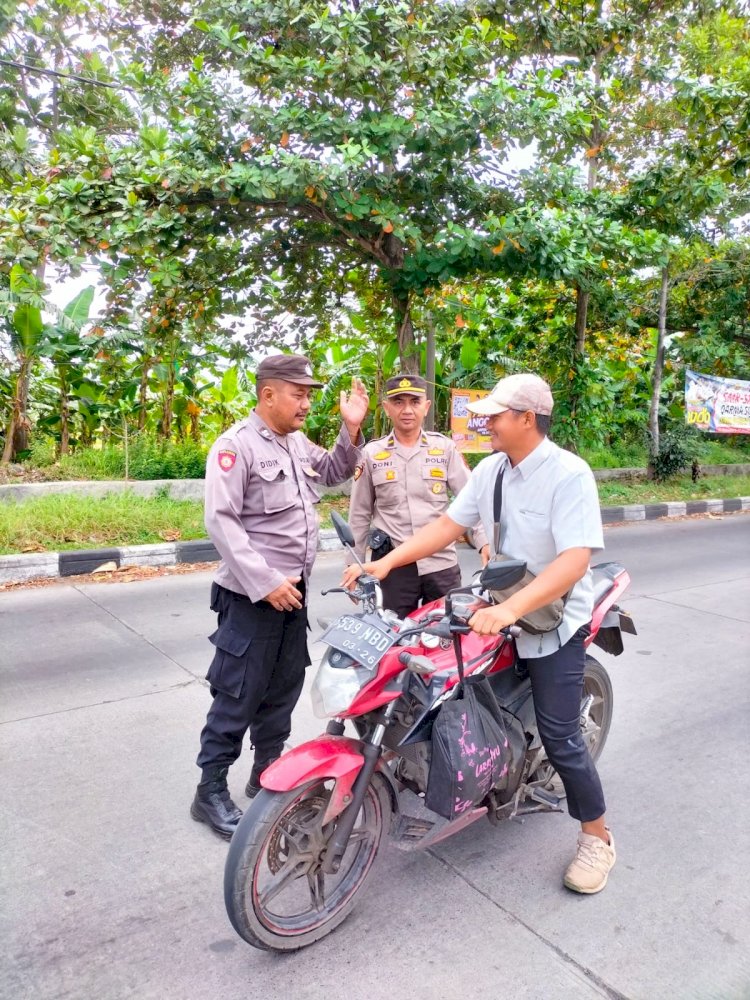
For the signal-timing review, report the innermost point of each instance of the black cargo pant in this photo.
(404, 588)
(557, 688)
(256, 677)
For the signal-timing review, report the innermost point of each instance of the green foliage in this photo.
(348, 164)
(66, 521)
(150, 460)
(677, 450)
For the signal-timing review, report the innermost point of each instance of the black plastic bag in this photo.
(470, 750)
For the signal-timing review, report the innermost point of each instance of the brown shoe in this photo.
(589, 870)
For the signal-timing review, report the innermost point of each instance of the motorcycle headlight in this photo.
(337, 683)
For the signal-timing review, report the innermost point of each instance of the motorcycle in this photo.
(305, 847)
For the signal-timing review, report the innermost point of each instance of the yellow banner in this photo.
(468, 430)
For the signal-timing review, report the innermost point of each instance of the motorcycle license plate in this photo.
(366, 639)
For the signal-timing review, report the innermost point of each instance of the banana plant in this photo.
(68, 353)
(22, 318)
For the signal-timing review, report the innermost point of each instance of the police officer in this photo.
(262, 477)
(401, 484)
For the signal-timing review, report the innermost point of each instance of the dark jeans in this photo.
(404, 588)
(256, 677)
(557, 687)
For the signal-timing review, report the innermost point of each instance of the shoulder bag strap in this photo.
(498, 506)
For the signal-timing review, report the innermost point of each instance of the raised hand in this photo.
(354, 406)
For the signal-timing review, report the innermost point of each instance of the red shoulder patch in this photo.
(227, 460)
(358, 472)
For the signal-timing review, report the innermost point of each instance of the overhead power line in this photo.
(63, 76)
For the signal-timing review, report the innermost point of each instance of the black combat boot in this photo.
(213, 804)
(254, 786)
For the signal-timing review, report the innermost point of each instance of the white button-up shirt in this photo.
(550, 504)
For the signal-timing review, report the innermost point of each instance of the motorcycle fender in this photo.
(337, 757)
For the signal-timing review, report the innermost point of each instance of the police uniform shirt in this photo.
(400, 489)
(261, 491)
(550, 504)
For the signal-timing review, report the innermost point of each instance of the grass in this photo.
(62, 521)
(616, 492)
(150, 459)
(59, 522)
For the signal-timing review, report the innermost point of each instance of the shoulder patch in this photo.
(358, 471)
(227, 459)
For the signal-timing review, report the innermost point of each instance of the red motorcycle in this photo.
(306, 845)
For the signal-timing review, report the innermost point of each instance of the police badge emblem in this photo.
(227, 459)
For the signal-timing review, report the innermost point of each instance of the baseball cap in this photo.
(516, 392)
(403, 385)
(289, 368)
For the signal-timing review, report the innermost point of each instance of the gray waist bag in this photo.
(544, 619)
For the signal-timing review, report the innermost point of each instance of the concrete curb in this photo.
(45, 565)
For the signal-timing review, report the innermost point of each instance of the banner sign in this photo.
(719, 405)
(469, 430)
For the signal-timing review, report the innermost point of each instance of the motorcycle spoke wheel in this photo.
(596, 683)
(276, 892)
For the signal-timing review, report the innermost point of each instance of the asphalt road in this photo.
(108, 889)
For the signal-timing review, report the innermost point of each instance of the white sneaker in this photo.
(589, 870)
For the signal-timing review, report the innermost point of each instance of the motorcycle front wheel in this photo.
(276, 894)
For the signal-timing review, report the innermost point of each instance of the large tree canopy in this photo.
(356, 164)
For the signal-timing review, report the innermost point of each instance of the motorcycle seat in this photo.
(605, 575)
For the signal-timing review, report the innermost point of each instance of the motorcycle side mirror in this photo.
(503, 573)
(343, 530)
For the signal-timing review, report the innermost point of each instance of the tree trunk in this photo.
(405, 334)
(64, 415)
(143, 393)
(166, 420)
(17, 435)
(653, 416)
(582, 309)
(595, 139)
(430, 373)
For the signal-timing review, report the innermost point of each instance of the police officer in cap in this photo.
(262, 477)
(402, 483)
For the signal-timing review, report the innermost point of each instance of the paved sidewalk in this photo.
(45, 565)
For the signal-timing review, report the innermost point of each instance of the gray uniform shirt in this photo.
(402, 489)
(550, 504)
(261, 491)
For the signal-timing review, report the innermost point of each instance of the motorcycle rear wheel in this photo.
(276, 895)
(596, 682)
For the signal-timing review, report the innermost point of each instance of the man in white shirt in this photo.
(550, 518)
